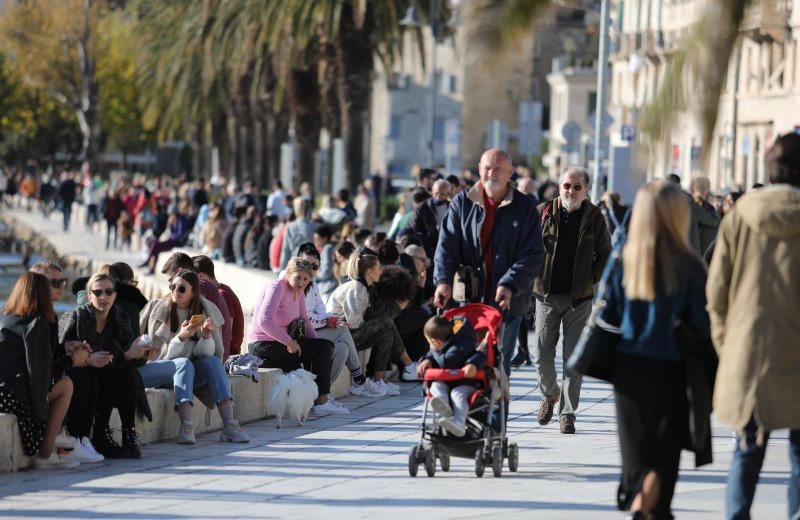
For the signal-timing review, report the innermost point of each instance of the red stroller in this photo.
(481, 442)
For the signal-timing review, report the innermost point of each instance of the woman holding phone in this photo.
(105, 328)
(188, 351)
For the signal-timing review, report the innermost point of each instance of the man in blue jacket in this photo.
(513, 256)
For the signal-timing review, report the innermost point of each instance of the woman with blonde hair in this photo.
(351, 300)
(658, 281)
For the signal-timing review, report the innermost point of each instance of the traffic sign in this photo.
(628, 133)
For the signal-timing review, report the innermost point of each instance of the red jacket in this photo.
(236, 318)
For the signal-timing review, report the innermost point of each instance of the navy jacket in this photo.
(460, 349)
(517, 248)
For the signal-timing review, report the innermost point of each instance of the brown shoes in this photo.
(545, 413)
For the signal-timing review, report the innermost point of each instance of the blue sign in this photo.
(628, 133)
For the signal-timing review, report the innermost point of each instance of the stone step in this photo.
(250, 403)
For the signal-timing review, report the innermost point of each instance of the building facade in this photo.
(760, 99)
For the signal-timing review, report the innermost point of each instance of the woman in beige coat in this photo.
(754, 303)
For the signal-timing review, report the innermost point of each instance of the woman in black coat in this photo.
(105, 327)
(33, 386)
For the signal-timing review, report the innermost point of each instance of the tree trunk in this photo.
(304, 101)
(220, 140)
(89, 94)
(354, 55)
(331, 109)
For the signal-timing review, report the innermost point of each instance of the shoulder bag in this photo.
(466, 283)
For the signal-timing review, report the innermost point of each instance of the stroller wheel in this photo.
(430, 462)
(444, 460)
(497, 459)
(413, 461)
(479, 464)
(513, 457)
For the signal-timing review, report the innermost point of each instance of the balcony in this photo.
(767, 20)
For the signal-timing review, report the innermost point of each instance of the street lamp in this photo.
(411, 20)
(600, 110)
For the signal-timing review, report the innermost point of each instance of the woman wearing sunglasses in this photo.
(178, 335)
(105, 328)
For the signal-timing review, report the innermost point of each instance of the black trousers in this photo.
(83, 405)
(117, 388)
(316, 356)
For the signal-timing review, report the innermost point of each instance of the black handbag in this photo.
(596, 351)
(297, 329)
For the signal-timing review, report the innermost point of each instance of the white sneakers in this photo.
(56, 460)
(64, 439)
(391, 388)
(370, 388)
(409, 373)
(330, 407)
(76, 450)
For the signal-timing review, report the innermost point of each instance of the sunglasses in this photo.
(58, 283)
(181, 288)
(99, 292)
(575, 187)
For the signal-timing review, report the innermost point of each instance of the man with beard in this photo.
(577, 247)
(490, 229)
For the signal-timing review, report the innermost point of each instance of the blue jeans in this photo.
(745, 469)
(186, 375)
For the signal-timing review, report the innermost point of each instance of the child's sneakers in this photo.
(452, 426)
(369, 389)
(441, 407)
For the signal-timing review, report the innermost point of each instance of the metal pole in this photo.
(433, 15)
(600, 109)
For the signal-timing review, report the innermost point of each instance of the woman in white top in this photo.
(351, 300)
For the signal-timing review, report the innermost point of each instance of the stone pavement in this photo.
(356, 466)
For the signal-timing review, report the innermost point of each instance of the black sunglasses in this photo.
(181, 288)
(58, 283)
(99, 292)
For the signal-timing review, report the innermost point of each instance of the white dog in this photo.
(294, 392)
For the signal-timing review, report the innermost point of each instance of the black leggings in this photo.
(316, 356)
(82, 406)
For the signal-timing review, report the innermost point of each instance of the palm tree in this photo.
(708, 49)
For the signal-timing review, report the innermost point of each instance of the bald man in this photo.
(490, 228)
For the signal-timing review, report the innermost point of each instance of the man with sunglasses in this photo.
(577, 247)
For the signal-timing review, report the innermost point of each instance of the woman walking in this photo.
(658, 281)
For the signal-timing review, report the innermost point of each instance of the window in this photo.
(591, 104)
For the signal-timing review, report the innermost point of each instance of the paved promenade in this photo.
(355, 466)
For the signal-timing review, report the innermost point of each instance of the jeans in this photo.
(66, 210)
(111, 225)
(162, 372)
(745, 468)
(344, 349)
(550, 314)
(186, 375)
(509, 341)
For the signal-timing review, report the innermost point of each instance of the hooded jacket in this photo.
(517, 246)
(753, 296)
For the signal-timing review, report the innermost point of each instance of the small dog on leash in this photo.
(294, 393)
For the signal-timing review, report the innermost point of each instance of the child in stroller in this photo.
(452, 346)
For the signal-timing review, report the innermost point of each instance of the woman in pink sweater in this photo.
(280, 303)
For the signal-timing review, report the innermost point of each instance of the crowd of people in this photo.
(535, 250)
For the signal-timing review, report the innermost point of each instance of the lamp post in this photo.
(411, 20)
(600, 109)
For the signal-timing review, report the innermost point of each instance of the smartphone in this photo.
(196, 320)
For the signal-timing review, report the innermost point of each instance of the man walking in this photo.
(753, 295)
(492, 221)
(577, 247)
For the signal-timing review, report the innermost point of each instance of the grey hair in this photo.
(587, 179)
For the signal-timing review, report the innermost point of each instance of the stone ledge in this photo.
(250, 402)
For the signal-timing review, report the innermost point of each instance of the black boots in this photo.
(130, 440)
(104, 443)
(523, 357)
